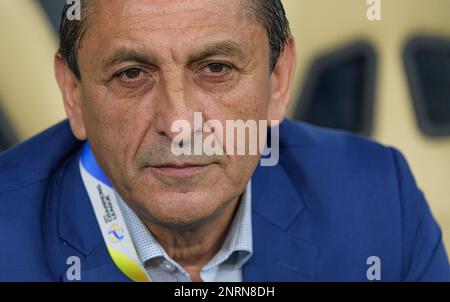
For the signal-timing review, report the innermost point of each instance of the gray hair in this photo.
(270, 13)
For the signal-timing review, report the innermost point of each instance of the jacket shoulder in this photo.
(36, 159)
(296, 134)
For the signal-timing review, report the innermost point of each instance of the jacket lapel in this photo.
(77, 229)
(283, 230)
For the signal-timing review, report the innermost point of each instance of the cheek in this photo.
(115, 127)
(240, 170)
(247, 105)
(105, 110)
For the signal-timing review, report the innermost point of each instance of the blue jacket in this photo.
(333, 201)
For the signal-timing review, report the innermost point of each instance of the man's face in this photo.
(147, 63)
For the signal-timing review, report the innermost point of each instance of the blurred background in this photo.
(386, 79)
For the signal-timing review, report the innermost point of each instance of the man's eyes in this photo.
(206, 74)
(135, 72)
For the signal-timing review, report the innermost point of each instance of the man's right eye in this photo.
(134, 80)
(130, 75)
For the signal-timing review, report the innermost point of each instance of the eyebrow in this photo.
(226, 48)
(129, 55)
(223, 48)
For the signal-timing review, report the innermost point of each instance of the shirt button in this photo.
(169, 266)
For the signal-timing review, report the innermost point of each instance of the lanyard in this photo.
(110, 219)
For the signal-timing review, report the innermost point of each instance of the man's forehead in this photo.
(179, 24)
(165, 14)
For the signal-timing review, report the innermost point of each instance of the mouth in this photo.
(180, 170)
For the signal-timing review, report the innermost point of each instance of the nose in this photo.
(176, 102)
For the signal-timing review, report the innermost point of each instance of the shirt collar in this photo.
(236, 249)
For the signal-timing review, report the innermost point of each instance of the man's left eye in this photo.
(217, 68)
(130, 74)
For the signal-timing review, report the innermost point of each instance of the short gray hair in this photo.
(270, 13)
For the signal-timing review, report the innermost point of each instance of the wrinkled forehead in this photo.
(175, 24)
(157, 8)
(118, 17)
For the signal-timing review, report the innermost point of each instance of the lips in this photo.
(180, 170)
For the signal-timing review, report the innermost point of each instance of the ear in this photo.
(281, 83)
(71, 91)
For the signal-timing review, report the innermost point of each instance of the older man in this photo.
(104, 196)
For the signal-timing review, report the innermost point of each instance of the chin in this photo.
(179, 209)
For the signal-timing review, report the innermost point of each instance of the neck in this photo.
(193, 248)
